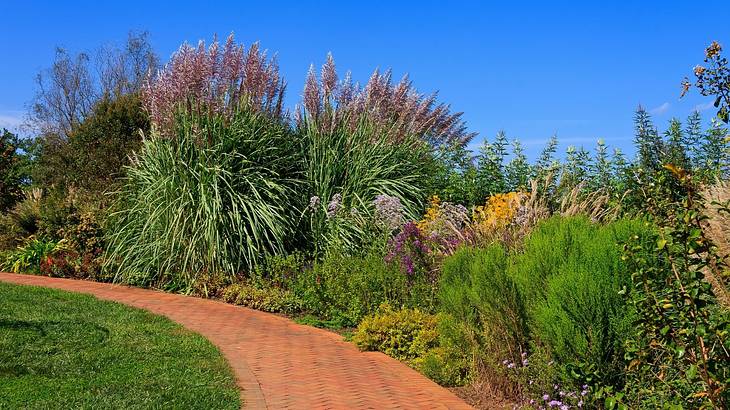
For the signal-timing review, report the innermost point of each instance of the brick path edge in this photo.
(279, 364)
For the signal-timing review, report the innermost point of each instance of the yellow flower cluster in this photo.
(432, 213)
(498, 212)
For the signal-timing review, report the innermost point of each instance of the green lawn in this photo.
(65, 350)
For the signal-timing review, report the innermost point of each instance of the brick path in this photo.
(278, 363)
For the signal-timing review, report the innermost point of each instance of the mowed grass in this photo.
(60, 350)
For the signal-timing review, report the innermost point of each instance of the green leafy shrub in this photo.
(555, 300)
(93, 155)
(405, 334)
(414, 336)
(12, 169)
(477, 291)
(572, 273)
(489, 316)
(677, 353)
(280, 270)
(347, 288)
(269, 299)
(448, 363)
(218, 196)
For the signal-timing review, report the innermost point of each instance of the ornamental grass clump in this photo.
(218, 197)
(366, 142)
(213, 81)
(396, 112)
(345, 172)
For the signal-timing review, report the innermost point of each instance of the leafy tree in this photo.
(648, 142)
(491, 171)
(676, 152)
(576, 168)
(601, 167)
(546, 162)
(68, 91)
(693, 138)
(518, 170)
(715, 151)
(619, 172)
(97, 149)
(12, 172)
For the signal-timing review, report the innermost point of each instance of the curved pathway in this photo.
(278, 363)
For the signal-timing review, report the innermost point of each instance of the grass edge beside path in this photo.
(61, 349)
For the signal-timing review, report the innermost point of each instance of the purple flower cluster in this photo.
(409, 248)
(563, 400)
(388, 211)
(557, 398)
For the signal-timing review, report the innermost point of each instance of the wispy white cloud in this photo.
(660, 109)
(11, 119)
(704, 107)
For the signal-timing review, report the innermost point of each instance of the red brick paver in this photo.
(278, 363)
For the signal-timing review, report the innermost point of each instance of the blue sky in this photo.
(573, 69)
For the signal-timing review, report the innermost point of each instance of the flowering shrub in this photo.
(499, 211)
(536, 374)
(29, 258)
(410, 248)
(445, 225)
(388, 211)
(443, 218)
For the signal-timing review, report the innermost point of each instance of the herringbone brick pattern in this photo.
(280, 364)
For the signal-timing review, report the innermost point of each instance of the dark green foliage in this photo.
(490, 174)
(649, 144)
(577, 168)
(678, 350)
(518, 170)
(715, 153)
(693, 140)
(600, 171)
(60, 350)
(676, 148)
(103, 143)
(346, 289)
(96, 150)
(12, 169)
(217, 197)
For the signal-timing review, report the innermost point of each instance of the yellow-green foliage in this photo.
(405, 334)
(269, 299)
(413, 336)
